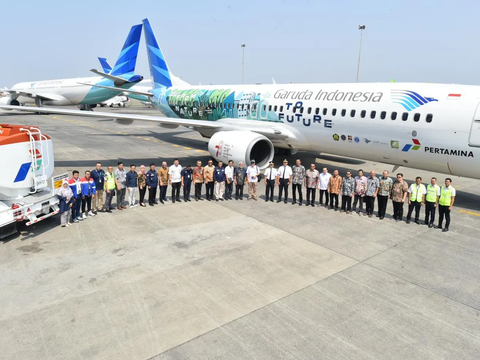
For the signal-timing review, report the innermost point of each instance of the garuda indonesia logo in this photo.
(410, 100)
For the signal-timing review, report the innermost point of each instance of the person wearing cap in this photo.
(229, 174)
(298, 178)
(187, 174)
(209, 183)
(284, 177)
(270, 181)
(312, 179)
(253, 173)
(240, 177)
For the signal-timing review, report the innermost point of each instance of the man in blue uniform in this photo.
(187, 182)
(152, 184)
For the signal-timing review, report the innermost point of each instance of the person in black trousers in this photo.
(152, 183)
(284, 180)
(270, 181)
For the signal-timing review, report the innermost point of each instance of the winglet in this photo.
(128, 56)
(158, 66)
(105, 65)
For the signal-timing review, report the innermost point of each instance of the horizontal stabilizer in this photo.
(130, 91)
(117, 80)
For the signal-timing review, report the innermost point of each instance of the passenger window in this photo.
(429, 118)
(270, 108)
(373, 114)
(248, 107)
(394, 115)
(317, 110)
(405, 116)
(325, 111)
(264, 107)
(383, 115)
(294, 109)
(334, 112)
(281, 108)
(416, 117)
(275, 108)
(363, 114)
(309, 111)
(352, 113)
(344, 112)
(301, 110)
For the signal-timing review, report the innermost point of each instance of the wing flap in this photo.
(44, 96)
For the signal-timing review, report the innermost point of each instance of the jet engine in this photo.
(123, 121)
(241, 146)
(87, 107)
(9, 101)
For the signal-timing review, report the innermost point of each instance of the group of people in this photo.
(82, 197)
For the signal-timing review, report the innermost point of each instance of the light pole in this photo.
(361, 28)
(243, 61)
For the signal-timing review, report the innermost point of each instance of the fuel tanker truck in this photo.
(26, 165)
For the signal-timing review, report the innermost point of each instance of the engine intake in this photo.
(9, 101)
(241, 146)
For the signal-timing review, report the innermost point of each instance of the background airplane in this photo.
(434, 127)
(81, 91)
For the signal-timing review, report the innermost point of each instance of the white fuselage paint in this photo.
(450, 143)
(69, 91)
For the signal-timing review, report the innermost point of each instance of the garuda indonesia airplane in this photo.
(434, 127)
(81, 91)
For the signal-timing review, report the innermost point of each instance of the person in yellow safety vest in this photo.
(109, 186)
(431, 202)
(445, 203)
(416, 193)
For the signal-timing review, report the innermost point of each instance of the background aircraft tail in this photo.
(105, 65)
(158, 66)
(128, 56)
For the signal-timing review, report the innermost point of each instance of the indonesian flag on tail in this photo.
(454, 96)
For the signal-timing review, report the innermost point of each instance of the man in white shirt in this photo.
(270, 181)
(284, 179)
(324, 181)
(229, 174)
(175, 179)
(252, 177)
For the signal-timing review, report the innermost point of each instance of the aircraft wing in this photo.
(273, 131)
(106, 115)
(44, 96)
(120, 90)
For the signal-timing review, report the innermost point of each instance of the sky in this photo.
(296, 41)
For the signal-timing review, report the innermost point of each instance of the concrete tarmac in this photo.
(233, 279)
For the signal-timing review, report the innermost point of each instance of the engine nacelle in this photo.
(124, 121)
(241, 146)
(168, 126)
(87, 107)
(9, 101)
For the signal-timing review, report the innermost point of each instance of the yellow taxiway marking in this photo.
(469, 212)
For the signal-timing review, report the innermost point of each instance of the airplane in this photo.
(433, 127)
(81, 91)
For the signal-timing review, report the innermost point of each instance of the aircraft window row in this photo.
(363, 113)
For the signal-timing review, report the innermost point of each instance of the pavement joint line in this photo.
(260, 308)
(469, 212)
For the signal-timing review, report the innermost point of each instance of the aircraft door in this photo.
(474, 139)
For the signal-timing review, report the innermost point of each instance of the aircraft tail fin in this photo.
(128, 56)
(105, 65)
(158, 66)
